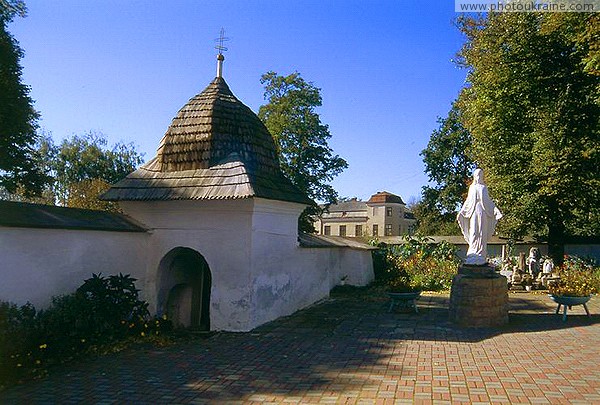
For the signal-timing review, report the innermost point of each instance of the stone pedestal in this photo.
(479, 297)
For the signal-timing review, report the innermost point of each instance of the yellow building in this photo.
(384, 214)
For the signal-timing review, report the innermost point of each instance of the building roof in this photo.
(26, 215)
(382, 197)
(350, 205)
(321, 241)
(215, 148)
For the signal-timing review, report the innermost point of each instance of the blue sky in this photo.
(125, 68)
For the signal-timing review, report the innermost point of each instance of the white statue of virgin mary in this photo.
(477, 220)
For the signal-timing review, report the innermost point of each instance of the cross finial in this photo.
(219, 47)
(222, 38)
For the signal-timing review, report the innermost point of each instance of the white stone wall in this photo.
(287, 277)
(258, 270)
(36, 264)
(283, 279)
(220, 232)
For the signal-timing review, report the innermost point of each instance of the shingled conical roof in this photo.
(215, 148)
(211, 126)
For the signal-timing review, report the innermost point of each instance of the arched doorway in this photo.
(184, 288)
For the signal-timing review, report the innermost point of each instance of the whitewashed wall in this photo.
(287, 277)
(36, 264)
(220, 232)
(259, 272)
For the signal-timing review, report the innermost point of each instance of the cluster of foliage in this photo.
(449, 168)
(532, 107)
(103, 311)
(301, 138)
(18, 119)
(416, 265)
(578, 278)
(81, 168)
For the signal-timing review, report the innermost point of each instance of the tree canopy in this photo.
(532, 107)
(83, 167)
(18, 119)
(301, 138)
(449, 168)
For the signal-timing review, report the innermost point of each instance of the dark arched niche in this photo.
(184, 283)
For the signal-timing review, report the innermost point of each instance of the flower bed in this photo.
(99, 316)
(578, 278)
(416, 265)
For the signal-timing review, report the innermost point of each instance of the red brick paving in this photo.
(350, 350)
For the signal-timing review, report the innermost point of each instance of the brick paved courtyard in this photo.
(349, 350)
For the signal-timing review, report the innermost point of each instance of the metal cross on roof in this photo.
(222, 38)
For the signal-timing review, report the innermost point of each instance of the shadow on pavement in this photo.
(346, 343)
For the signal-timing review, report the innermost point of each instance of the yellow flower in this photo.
(44, 346)
(38, 362)
(143, 334)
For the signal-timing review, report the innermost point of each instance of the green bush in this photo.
(101, 312)
(19, 330)
(418, 264)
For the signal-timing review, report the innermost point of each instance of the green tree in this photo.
(532, 108)
(304, 154)
(83, 167)
(430, 220)
(18, 119)
(448, 166)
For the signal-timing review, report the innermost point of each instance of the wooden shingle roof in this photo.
(215, 148)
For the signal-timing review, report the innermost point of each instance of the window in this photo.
(388, 230)
(374, 211)
(388, 211)
(358, 230)
(342, 230)
(375, 230)
(327, 230)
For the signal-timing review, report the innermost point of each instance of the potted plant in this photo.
(403, 285)
(577, 282)
(404, 292)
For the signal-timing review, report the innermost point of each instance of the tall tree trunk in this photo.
(556, 242)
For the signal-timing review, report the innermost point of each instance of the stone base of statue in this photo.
(479, 297)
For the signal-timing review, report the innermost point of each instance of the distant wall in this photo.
(36, 264)
(495, 250)
(584, 250)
